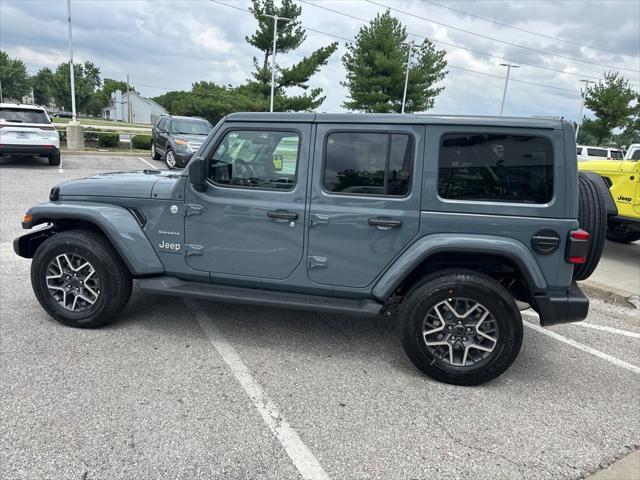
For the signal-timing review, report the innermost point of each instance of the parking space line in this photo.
(151, 165)
(300, 455)
(584, 348)
(617, 331)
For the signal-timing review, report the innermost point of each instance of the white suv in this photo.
(587, 152)
(27, 130)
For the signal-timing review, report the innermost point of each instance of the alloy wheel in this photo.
(73, 282)
(460, 332)
(171, 159)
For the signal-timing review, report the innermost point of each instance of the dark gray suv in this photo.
(176, 139)
(438, 222)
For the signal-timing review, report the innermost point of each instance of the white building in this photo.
(132, 107)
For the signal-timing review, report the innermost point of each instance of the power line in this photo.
(491, 20)
(452, 45)
(448, 65)
(542, 52)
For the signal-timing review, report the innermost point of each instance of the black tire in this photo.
(54, 160)
(114, 279)
(622, 233)
(592, 217)
(154, 154)
(448, 285)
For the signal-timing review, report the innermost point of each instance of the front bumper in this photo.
(44, 150)
(554, 309)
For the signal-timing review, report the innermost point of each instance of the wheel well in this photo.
(502, 269)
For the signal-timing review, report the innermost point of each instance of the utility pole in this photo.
(73, 86)
(506, 83)
(406, 78)
(128, 101)
(584, 93)
(1, 92)
(273, 59)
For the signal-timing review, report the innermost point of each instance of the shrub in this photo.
(142, 142)
(108, 139)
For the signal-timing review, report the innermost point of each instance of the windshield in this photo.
(23, 115)
(190, 127)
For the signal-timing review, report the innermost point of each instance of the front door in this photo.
(250, 219)
(365, 201)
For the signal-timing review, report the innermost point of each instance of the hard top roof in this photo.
(394, 118)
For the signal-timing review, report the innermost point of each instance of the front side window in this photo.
(496, 168)
(256, 159)
(368, 163)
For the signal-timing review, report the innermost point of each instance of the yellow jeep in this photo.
(623, 179)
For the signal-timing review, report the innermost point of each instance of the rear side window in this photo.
(21, 115)
(368, 163)
(597, 152)
(616, 154)
(496, 168)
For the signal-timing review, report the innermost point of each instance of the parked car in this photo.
(27, 130)
(63, 115)
(586, 153)
(440, 222)
(178, 138)
(622, 178)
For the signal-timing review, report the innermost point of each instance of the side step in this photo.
(251, 296)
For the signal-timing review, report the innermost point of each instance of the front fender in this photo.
(116, 223)
(427, 246)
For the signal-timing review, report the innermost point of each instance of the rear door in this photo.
(25, 126)
(365, 200)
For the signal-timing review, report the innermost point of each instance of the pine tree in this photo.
(376, 67)
(290, 35)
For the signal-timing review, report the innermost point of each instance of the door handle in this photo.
(385, 223)
(282, 215)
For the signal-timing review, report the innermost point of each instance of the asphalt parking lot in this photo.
(194, 389)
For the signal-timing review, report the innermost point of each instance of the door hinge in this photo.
(193, 209)
(191, 250)
(317, 262)
(318, 219)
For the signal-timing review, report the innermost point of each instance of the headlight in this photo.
(183, 144)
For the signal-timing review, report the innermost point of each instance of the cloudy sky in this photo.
(167, 45)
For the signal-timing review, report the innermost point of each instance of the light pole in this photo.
(406, 78)
(506, 83)
(586, 87)
(273, 60)
(73, 86)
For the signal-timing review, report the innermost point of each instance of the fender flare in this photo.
(430, 245)
(117, 223)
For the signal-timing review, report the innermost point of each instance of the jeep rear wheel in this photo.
(622, 233)
(79, 279)
(460, 327)
(592, 217)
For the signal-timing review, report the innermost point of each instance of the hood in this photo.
(137, 184)
(191, 138)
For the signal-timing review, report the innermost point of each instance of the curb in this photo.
(102, 154)
(610, 295)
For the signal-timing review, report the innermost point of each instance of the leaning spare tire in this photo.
(592, 217)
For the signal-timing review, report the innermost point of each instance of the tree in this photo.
(86, 78)
(290, 35)
(101, 98)
(376, 67)
(592, 132)
(13, 77)
(42, 84)
(610, 100)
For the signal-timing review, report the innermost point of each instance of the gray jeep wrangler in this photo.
(441, 222)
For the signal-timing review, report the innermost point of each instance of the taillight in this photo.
(50, 127)
(577, 246)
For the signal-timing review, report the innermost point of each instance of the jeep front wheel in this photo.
(460, 327)
(79, 279)
(622, 233)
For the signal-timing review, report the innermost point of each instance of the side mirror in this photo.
(198, 173)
